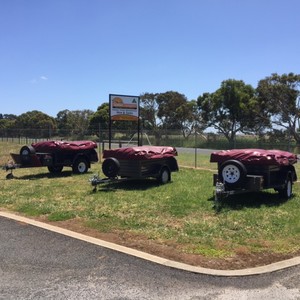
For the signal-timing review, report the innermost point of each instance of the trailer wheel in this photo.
(233, 173)
(110, 167)
(25, 154)
(9, 176)
(287, 191)
(164, 175)
(80, 166)
(55, 169)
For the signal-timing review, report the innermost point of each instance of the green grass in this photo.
(200, 161)
(180, 212)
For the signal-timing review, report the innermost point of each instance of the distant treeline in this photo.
(270, 110)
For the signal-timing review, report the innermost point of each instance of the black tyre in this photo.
(55, 169)
(26, 150)
(172, 164)
(25, 154)
(9, 176)
(233, 173)
(164, 175)
(111, 167)
(80, 166)
(287, 191)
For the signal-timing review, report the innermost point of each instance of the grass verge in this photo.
(179, 213)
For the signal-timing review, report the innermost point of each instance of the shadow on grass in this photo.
(249, 200)
(43, 175)
(128, 185)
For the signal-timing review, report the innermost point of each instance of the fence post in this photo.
(195, 149)
(100, 152)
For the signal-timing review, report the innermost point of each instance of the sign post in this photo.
(124, 108)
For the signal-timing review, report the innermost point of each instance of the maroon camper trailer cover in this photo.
(52, 146)
(255, 157)
(140, 152)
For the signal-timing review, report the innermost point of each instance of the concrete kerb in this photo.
(149, 257)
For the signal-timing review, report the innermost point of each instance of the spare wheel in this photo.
(233, 173)
(110, 167)
(25, 154)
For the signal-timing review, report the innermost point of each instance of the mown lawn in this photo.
(180, 212)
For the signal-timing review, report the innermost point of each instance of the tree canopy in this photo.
(35, 124)
(148, 112)
(230, 109)
(172, 109)
(235, 107)
(279, 96)
(74, 122)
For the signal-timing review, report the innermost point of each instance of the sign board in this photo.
(124, 108)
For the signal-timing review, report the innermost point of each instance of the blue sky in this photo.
(71, 54)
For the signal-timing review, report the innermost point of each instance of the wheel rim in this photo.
(289, 188)
(231, 173)
(25, 152)
(81, 167)
(164, 176)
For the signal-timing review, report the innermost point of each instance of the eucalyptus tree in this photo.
(99, 120)
(279, 96)
(7, 125)
(74, 123)
(149, 110)
(230, 109)
(35, 124)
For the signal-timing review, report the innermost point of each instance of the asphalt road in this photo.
(41, 264)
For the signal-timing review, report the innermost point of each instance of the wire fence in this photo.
(175, 138)
(192, 148)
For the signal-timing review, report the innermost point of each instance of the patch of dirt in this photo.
(243, 259)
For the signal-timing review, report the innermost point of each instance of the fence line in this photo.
(156, 138)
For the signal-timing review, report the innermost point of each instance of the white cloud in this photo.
(37, 80)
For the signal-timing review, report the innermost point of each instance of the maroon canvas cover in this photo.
(140, 152)
(50, 146)
(255, 157)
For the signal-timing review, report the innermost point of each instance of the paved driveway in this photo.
(40, 264)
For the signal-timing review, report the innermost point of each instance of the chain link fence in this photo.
(193, 143)
(174, 138)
